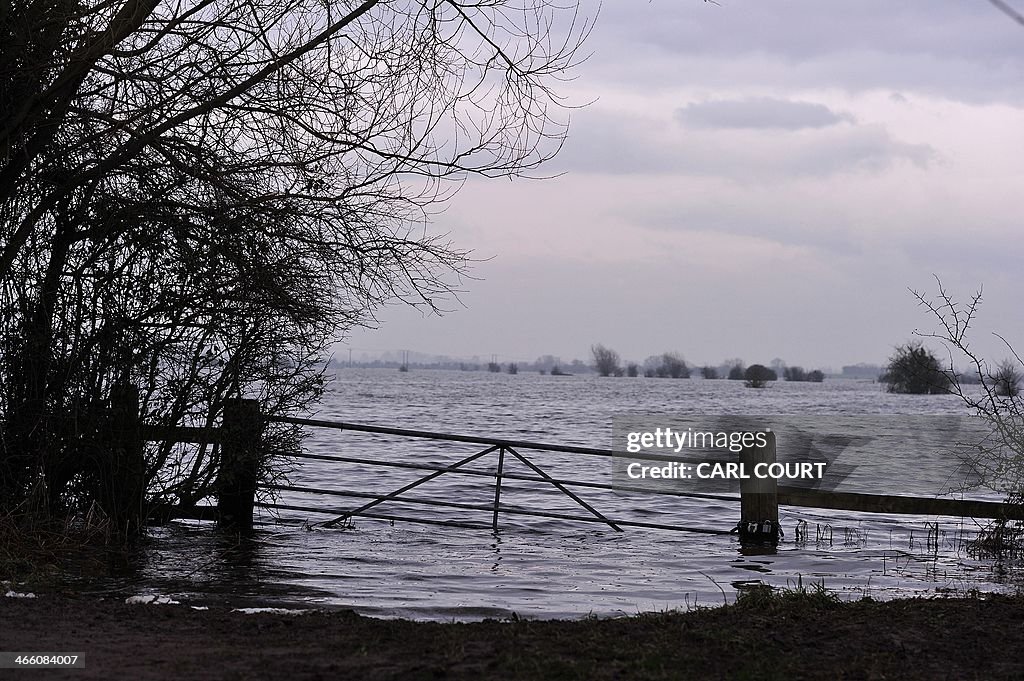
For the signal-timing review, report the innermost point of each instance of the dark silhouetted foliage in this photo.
(914, 370)
(198, 199)
(758, 376)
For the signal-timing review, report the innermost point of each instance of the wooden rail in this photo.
(760, 500)
(884, 503)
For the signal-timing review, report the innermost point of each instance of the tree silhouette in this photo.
(758, 376)
(915, 370)
(196, 198)
(606, 360)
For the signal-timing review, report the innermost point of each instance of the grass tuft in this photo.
(764, 597)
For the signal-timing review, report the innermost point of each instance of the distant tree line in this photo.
(543, 365)
(912, 369)
(607, 362)
(799, 374)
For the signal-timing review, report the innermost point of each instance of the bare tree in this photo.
(998, 456)
(365, 104)
(666, 365)
(197, 196)
(606, 360)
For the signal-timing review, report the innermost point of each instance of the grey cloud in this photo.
(960, 50)
(605, 142)
(809, 29)
(794, 225)
(867, 148)
(755, 113)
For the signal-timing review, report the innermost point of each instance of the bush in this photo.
(708, 372)
(915, 370)
(736, 372)
(758, 376)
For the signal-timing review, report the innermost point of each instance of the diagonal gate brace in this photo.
(562, 488)
(417, 483)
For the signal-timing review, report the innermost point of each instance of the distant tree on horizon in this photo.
(758, 376)
(1007, 379)
(666, 365)
(606, 360)
(798, 374)
(709, 372)
(914, 370)
(794, 373)
(547, 362)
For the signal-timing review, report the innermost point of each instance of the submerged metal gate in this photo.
(496, 447)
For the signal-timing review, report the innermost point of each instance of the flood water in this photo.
(547, 567)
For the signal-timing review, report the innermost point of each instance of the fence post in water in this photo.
(497, 487)
(759, 497)
(241, 433)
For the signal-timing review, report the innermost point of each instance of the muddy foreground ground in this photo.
(777, 639)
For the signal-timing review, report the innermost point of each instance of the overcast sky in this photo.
(754, 179)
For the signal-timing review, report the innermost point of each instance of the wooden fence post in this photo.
(759, 497)
(124, 487)
(497, 487)
(242, 431)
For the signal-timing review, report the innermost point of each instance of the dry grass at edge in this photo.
(39, 552)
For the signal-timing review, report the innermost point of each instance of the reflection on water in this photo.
(539, 567)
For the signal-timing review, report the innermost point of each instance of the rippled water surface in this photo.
(546, 567)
